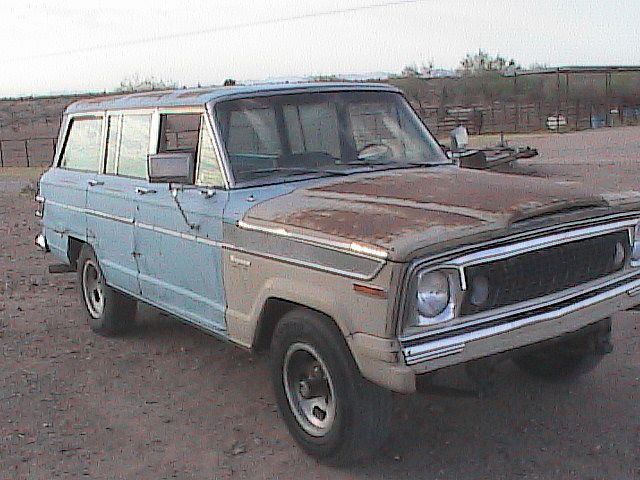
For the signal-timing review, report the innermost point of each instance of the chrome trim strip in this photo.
(228, 246)
(432, 354)
(66, 206)
(422, 352)
(109, 216)
(313, 266)
(354, 248)
(539, 243)
(534, 304)
(291, 261)
(481, 256)
(182, 235)
(633, 292)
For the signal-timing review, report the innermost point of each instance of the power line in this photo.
(205, 31)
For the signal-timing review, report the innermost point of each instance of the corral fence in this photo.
(27, 152)
(511, 117)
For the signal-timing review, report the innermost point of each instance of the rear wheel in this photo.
(109, 312)
(333, 413)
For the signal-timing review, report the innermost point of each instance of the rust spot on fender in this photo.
(377, 226)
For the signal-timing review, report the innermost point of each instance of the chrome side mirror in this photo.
(177, 167)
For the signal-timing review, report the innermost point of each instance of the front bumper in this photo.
(517, 328)
(396, 365)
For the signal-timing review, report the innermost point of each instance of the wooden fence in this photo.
(27, 152)
(523, 118)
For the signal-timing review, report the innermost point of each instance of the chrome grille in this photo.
(543, 272)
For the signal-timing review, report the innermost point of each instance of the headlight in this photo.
(432, 294)
(635, 248)
(432, 297)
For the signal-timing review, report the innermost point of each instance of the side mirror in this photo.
(175, 167)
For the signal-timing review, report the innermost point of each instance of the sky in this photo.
(40, 39)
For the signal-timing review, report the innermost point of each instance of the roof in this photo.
(201, 96)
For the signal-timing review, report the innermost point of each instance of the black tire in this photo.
(361, 410)
(109, 312)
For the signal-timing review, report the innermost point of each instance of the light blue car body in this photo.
(146, 246)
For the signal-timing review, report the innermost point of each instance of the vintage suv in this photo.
(324, 223)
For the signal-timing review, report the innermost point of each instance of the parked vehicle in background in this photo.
(322, 222)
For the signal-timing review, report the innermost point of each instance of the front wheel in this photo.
(333, 413)
(109, 312)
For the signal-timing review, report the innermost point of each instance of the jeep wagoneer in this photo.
(322, 222)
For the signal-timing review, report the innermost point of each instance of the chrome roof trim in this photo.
(201, 96)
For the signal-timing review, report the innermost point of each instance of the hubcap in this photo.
(309, 389)
(93, 288)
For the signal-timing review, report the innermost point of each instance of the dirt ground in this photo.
(167, 401)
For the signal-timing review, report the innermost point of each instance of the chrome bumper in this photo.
(520, 327)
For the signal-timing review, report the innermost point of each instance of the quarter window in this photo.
(209, 173)
(82, 148)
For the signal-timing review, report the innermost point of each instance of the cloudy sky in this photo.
(82, 45)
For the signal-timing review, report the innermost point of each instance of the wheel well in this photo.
(73, 251)
(272, 311)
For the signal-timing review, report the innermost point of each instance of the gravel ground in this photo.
(167, 401)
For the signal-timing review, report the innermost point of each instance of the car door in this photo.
(65, 187)
(179, 229)
(112, 197)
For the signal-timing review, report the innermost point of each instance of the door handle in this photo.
(93, 183)
(144, 191)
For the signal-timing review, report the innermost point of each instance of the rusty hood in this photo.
(401, 211)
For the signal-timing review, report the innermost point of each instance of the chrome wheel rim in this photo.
(309, 389)
(93, 288)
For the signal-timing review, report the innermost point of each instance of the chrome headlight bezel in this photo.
(413, 318)
(635, 246)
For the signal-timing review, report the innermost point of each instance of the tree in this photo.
(410, 71)
(137, 84)
(482, 62)
(229, 82)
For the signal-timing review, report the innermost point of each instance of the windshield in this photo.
(331, 133)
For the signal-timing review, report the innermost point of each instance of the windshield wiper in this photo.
(296, 171)
(390, 163)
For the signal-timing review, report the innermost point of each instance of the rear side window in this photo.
(82, 148)
(128, 145)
